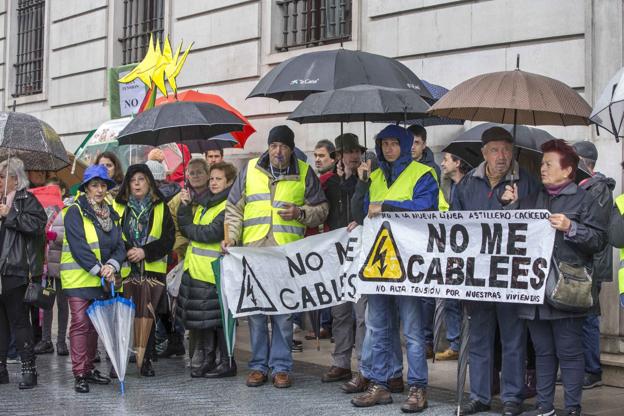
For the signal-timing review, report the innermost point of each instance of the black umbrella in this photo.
(438, 319)
(33, 141)
(300, 76)
(437, 92)
(360, 103)
(179, 122)
(528, 142)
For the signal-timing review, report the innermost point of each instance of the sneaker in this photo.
(573, 412)
(447, 355)
(539, 412)
(591, 381)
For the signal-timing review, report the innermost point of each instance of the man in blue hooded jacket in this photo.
(399, 184)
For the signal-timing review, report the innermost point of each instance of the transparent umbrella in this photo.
(113, 320)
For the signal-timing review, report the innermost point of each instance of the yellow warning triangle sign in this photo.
(383, 263)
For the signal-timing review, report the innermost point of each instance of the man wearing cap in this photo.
(339, 189)
(274, 198)
(482, 189)
(601, 189)
(399, 184)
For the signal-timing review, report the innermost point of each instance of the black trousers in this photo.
(14, 313)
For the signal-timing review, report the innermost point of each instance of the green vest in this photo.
(619, 203)
(402, 189)
(442, 204)
(199, 256)
(73, 276)
(261, 210)
(157, 266)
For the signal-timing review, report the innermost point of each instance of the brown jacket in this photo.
(315, 206)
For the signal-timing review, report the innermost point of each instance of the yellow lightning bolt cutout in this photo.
(157, 65)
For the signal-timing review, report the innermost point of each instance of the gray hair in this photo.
(15, 168)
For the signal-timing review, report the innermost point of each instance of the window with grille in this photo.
(29, 60)
(141, 18)
(313, 22)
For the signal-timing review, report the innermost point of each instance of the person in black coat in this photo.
(581, 231)
(22, 240)
(148, 234)
(198, 302)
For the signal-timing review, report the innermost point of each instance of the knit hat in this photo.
(157, 169)
(282, 134)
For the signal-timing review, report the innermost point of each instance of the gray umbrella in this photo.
(33, 141)
(179, 122)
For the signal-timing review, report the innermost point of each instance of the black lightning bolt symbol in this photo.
(250, 292)
(380, 255)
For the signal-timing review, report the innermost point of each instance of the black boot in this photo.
(81, 385)
(4, 373)
(227, 365)
(175, 346)
(29, 375)
(208, 362)
(146, 368)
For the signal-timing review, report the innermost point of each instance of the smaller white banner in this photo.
(297, 277)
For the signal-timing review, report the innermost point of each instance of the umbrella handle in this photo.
(112, 286)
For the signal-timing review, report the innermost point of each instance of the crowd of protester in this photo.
(147, 220)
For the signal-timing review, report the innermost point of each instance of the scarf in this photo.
(138, 220)
(102, 214)
(554, 190)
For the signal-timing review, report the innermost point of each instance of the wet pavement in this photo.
(173, 392)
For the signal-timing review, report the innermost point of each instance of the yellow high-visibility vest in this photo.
(160, 265)
(402, 189)
(73, 276)
(261, 210)
(199, 256)
(619, 203)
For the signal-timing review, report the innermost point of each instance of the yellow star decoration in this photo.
(157, 64)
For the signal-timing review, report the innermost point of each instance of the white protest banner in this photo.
(297, 277)
(500, 256)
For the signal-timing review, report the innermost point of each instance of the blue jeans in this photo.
(591, 344)
(483, 318)
(427, 319)
(557, 341)
(396, 368)
(274, 355)
(382, 336)
(453, 318)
